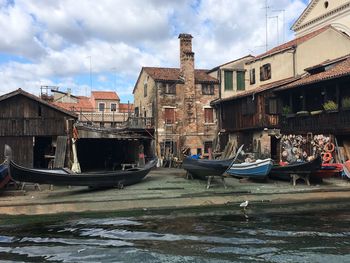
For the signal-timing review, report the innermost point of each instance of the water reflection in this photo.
(322, 237)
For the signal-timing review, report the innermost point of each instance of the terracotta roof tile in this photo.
(105, 95)
(338, 70)
(83, 104)
(172, 74)
(123, 107)
(293, 43)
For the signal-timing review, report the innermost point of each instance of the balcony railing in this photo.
(139, 123)
(335, 122)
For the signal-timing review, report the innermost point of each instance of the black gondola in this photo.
(118, 178)
(284, 172)
(202, 168)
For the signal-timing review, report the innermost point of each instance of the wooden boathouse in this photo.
(31, 126)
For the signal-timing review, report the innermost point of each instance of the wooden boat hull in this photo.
(63, 177)
(4, 176)
(283, 172)
(256, 170)
(322, 174)
(202, 168)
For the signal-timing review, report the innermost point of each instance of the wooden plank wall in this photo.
(30, 119)
(234, 120)
(22, 149)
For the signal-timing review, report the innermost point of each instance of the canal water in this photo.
(314, 237)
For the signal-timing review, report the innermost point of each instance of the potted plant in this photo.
(287, 111)
(345, 103)
(330, 106)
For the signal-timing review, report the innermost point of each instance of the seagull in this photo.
(244, 204)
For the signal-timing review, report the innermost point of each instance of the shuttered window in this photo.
(240, 80)
(208, 115)
(271, 106)
(265, 72)
(101, 106)
(208, 89)
(228, 76)
(169, 115)
(252, 76)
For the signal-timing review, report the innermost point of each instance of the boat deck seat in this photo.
(131, 165)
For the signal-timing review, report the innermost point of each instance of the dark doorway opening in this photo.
(108, 154)
(43, 152)
(275, 148)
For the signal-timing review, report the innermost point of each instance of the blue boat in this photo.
(4, 175)
(255, 170)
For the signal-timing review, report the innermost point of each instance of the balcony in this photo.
(335, 122)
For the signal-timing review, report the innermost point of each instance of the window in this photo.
(102, 124)
(208, 89)
(265, 72)
(101, 106)
(272, 106)
(169, 88)
(208, 115)
(207, 145)
(145, 90)
(113, 106)
(252, 76)
(248, 106)
(228, 77)
(169, 115)
(240, 80)
(137, 111)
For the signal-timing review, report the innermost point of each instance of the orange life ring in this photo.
(331, 149)
(327, 157)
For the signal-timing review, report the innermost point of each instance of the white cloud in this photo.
(51, 41)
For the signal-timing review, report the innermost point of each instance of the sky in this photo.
(85, 45)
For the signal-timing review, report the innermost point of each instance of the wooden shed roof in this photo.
(36, 98)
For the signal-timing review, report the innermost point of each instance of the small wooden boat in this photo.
(254, 170)
(327, 170)
(347, 169)
(284, 172)
(202, 168)
(4, 176)
(67, 177)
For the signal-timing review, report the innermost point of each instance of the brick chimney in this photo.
(187, 62)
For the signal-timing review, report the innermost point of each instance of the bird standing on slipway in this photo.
(244, 205)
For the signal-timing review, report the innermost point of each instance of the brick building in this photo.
(179, 101)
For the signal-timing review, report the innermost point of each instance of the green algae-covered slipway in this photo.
(169, 190)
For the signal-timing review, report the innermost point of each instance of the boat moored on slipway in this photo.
(253, 170)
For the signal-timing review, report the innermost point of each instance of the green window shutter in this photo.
(228, 80)
(240, 80)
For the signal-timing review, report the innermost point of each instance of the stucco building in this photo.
(249, 113)
(179, 101)
(102, 108)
